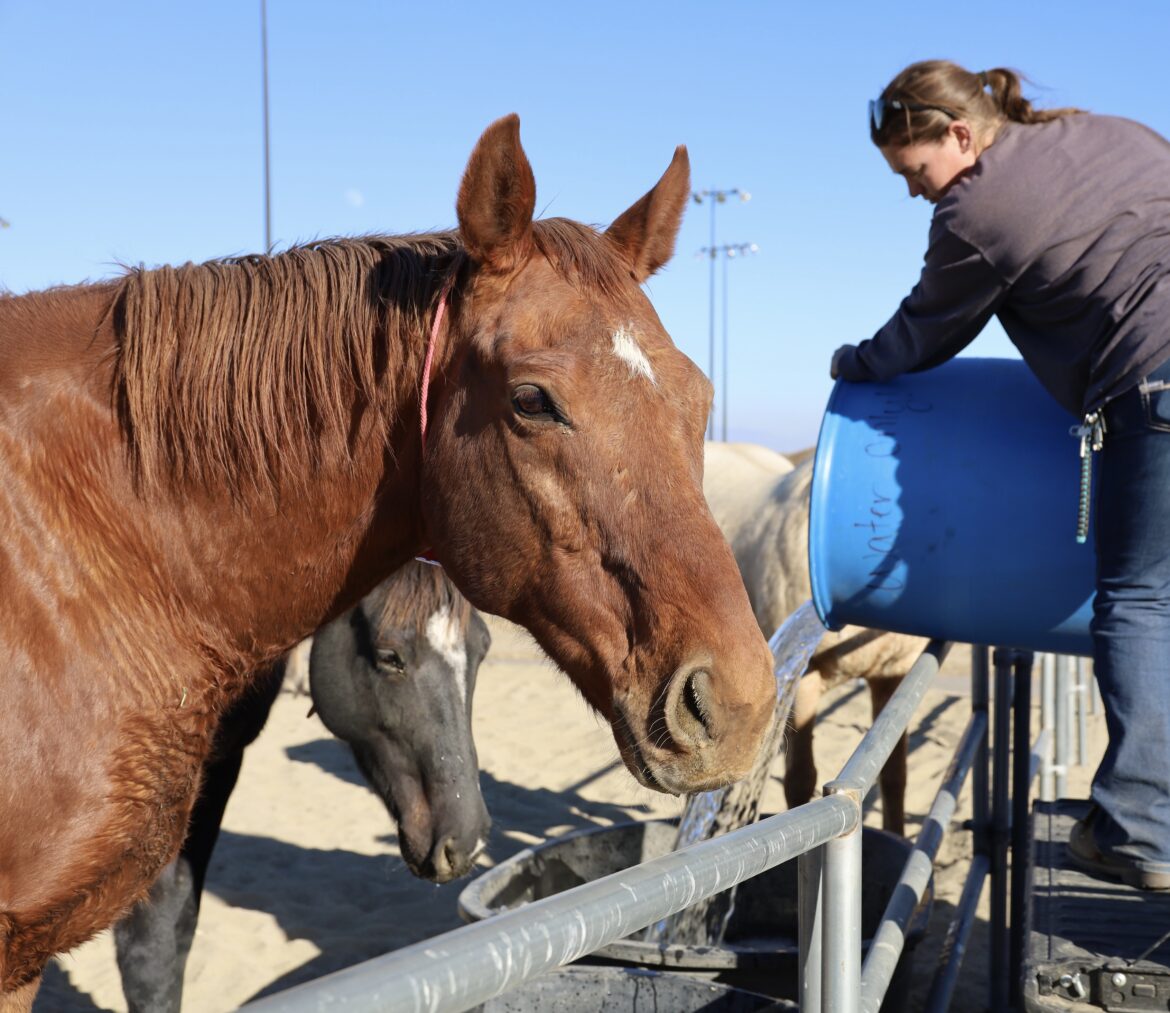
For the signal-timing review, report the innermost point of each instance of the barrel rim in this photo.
(818, 496)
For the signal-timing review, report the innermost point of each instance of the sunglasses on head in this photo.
(880, 109)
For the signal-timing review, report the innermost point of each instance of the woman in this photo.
(1058, 223)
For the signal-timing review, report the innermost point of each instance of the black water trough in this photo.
(759, 951)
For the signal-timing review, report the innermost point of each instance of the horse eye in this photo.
(389, 660)
(532, 402)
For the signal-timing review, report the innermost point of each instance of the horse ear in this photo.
(647, 231)
(497, 198)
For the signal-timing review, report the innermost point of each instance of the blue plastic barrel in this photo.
(944, 504)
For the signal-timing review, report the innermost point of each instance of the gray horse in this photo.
(412, 647)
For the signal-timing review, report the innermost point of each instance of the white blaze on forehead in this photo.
(443, 636)
(626, 348)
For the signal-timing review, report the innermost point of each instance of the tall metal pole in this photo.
(999, 985)
(711, 313)
(1020, 831)
(728, 250)
(267, 174)
(715, 197)
(726, 258)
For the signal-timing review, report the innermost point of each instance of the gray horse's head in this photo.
(394, 678)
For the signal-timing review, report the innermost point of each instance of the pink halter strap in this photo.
(427, 556)
(430, 358)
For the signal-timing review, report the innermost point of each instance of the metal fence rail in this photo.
(468, 965)
(830, 960)
(890, 937)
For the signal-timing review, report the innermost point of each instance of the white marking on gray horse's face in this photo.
(443, 636)
(626, 348)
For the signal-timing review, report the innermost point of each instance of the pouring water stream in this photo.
(710, 813)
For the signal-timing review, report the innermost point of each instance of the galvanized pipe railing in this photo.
(1062, 725)
(888, 941)
(1000, 817)
(890, 725)
(954, 946)
(1081, 691)
(1046, 663)
(1021, 780)
(809, 930)
(1036, 757)
(841, 915)
(466, 966)
(980, 776)
(830, 961)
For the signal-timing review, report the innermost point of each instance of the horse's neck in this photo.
(234, 576)
(47, 342)
(274, 570)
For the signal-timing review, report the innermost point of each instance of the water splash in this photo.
(709, 814)
(792, 645)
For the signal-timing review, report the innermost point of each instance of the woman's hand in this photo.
(833, 366)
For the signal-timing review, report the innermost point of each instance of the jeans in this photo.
(1131, 623)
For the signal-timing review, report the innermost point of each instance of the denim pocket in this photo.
(1156, 404)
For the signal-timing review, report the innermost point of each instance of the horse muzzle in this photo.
(695, 739)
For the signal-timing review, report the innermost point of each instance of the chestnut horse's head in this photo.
(563, 474)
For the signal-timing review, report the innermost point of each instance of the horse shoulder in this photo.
(737, 486)
(764, 457)
(776, 562)
(755, 497)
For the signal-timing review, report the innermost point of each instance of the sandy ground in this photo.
(307, 879)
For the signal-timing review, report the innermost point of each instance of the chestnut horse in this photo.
(178, 442)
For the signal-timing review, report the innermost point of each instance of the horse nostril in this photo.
(693, 692)
(453, 858)
(449, 860)
(690, 717)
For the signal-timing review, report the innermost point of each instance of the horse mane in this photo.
(415, 593)
(249, 370)
(582, 253)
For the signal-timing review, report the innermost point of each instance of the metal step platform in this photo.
(1091, 944)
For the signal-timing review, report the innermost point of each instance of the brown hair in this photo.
(986, 100)
(239, 371)
(413, 594)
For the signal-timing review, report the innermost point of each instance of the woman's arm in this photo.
(955, 297)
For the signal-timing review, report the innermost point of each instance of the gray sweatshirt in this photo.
(1062, 230)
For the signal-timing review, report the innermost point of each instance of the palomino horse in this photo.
(394, 678)
(761, 503)
(177, 443)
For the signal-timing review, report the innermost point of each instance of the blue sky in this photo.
(132, 134)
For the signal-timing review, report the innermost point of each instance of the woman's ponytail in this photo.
(1004, 86)
(928, 96)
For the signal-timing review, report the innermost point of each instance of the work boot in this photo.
(1085, 854)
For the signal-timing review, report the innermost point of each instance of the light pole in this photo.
(730, 251)
(714, 198)
(267, 179)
